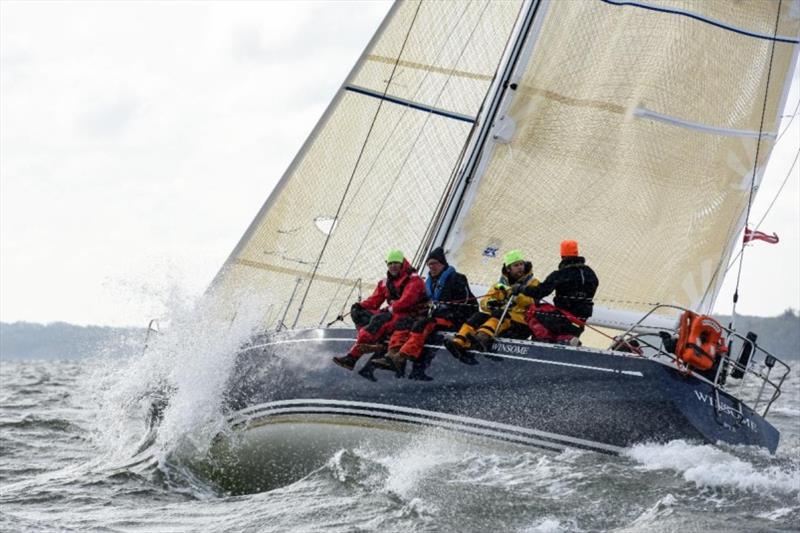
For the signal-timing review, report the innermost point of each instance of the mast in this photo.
(499, 100)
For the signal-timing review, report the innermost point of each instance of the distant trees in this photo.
(59, 340)
(779, 335)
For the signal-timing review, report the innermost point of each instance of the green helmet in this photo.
(512, 257)
(394, 256)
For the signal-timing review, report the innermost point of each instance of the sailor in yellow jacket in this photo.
(505, 300)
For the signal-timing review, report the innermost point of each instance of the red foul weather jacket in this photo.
(404, 293)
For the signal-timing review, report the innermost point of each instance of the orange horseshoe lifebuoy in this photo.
(700, 340)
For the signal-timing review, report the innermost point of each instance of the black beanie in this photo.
(438, 255)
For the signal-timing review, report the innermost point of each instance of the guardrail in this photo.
(753, 362)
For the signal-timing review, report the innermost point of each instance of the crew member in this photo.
(505, 300)
(404, 293)
(575, 284)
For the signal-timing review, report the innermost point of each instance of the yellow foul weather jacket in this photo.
(503, 290)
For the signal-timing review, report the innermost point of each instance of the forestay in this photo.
(637, 126)
(381, 157)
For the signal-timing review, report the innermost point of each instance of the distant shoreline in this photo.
(60, 340)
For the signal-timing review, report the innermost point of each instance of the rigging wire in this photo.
(438, 212)
(447, 200)
(774, 199)
(772, 203)
(788, 124)
(755, 162)
(414, 143)
(355, 167)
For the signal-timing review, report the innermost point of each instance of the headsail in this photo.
(372, 173)
(636, 129)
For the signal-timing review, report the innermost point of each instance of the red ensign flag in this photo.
(750, 235)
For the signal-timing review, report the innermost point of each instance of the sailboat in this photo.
(639, 129)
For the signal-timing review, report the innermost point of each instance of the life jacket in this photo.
(700, 341)
(435, 286)
(405, 293)
(396, 286)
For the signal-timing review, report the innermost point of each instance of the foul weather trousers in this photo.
(489, 325)
(549, 324)
(372, 327)
(409, 336)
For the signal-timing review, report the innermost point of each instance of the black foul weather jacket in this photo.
(451, 294)
(575, 284)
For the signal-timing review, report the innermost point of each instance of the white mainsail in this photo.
(373, 172)
(636, 132)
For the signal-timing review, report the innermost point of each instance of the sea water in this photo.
(68, 431)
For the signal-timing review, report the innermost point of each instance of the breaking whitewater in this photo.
(68, 431)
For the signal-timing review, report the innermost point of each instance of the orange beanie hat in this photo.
(569, 248)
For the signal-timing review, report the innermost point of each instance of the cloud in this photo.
(110, 120)
(139, 134)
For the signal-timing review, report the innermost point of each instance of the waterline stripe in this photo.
(727, 132)
(377, 407)
(409, 103)
(421, 421)
(713, 22)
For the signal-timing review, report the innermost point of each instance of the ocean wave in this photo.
(36, 422)
(551, 525)
(708, 466)
(793, 412)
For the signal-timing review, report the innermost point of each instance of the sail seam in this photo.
(409, 103)
(430, 68)
(707, 20)
(295, 272)
(568, 100)
(414, 144)
(675, 121)
(355, 168)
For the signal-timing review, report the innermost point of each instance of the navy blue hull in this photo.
(530, 393)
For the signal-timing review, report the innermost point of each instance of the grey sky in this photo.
(139, 139)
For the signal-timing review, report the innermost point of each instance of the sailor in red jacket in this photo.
(404, 293)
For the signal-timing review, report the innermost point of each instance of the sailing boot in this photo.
(456, 348)
(348, 362)
(483, 341)
(368, 371)
(399, 362)
(365, 348)
(418, 372)
(386, 362)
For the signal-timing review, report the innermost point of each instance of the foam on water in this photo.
(186, 366)
(434, 482)
(549, 525)
(709, 466)
(409, 465)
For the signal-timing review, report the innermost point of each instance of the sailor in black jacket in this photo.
(575, 284)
